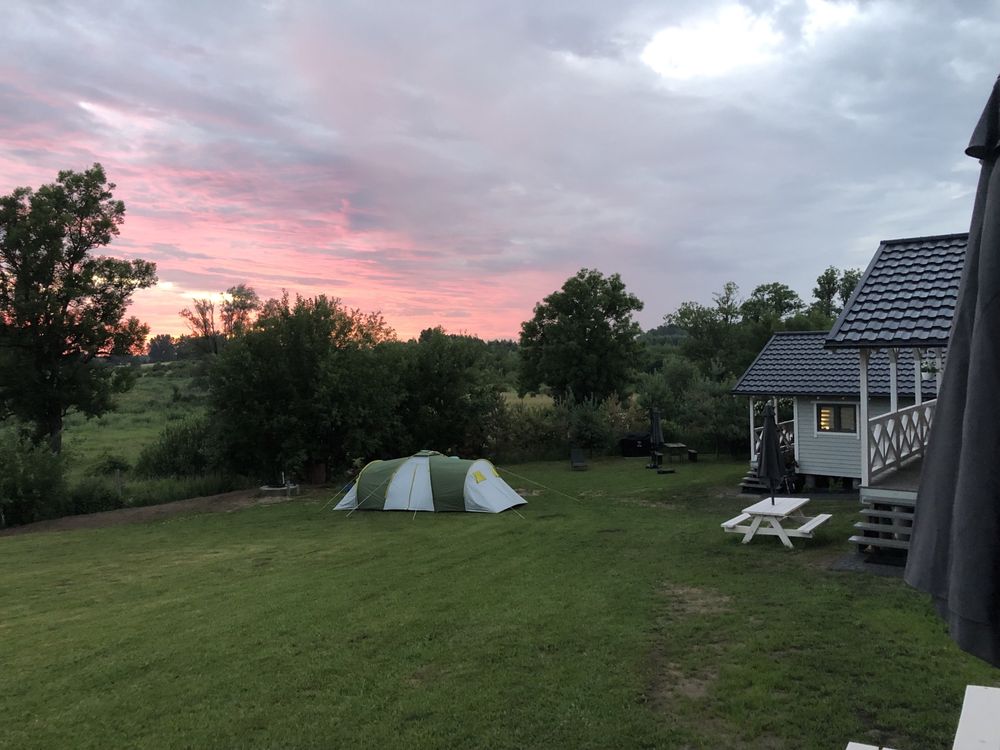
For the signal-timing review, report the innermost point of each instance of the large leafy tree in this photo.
(304, 386)
(582, 340)
(452, 397)
(62, 307)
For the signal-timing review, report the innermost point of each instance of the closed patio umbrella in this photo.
(955, 543)
(655, 437)
(770, 467)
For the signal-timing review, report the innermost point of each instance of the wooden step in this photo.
(883, 528)
(902, 502)
(874, 541)
(892, 514)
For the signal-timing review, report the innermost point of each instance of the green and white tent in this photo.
(430, 481)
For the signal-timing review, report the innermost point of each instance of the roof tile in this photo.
(907, 295)
(795, 363)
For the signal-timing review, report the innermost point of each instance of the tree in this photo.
(832, 285)
(201, 321)
(162, 348)
(713, 337)
(849, 279)
(61, 306)
(825, 292)
(770, 303)
(727, 303)
(238, 310)
(319, 390)
(581, 341)
(453, 398)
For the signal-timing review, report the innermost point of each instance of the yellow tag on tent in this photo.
(480, 477)
(494, 470)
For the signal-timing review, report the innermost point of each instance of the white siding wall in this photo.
(831, 454)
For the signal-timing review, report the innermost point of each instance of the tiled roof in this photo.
(795, 363)
(906, 297)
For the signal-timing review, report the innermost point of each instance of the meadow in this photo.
(610, 612)
(163, 393)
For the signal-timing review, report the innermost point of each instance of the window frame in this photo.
(837, 417)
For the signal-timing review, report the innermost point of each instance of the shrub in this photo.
(183, 449)
(589, 427)
(31, 480)
(95, 494)
(110, 465)
(533, 432)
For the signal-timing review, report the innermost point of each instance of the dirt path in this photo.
(227, 501)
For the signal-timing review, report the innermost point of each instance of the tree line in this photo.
(299, 384)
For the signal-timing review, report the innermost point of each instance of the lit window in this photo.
(836, 418)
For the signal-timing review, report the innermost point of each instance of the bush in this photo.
(182, 450)
(533, 432)
(31, 480)
(110, 465)
(589, 427)
(95, 494)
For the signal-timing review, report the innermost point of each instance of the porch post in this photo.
(939, 361)
(918, 396)
(893, 379)
(795, 428)
(863, 427)
(753, 431)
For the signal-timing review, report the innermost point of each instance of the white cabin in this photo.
(894, 334)
(823, 388)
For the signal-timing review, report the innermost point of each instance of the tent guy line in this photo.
(544, 487)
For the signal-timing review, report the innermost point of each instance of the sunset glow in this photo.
(454, 169)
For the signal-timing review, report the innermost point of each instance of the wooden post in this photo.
(893, 379)
(863, 426)
(753, 436)
(939, 361)
(918, 395)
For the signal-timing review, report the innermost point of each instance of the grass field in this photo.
(162, 394)
(623, 618)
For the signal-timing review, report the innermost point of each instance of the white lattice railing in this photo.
(786, 437)
(898, 436)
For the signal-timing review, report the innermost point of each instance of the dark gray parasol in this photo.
(655, 438)
(955, 544)
(770, 466)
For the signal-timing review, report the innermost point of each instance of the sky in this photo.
(452, 163)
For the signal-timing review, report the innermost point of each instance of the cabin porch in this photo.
(895, 447)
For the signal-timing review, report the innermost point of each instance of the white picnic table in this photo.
(978, 728)
(774, 517)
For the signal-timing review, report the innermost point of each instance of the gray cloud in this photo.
(426, 142)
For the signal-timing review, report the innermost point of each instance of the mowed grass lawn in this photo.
(621, 619)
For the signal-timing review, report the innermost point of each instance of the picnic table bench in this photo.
(768, 516)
